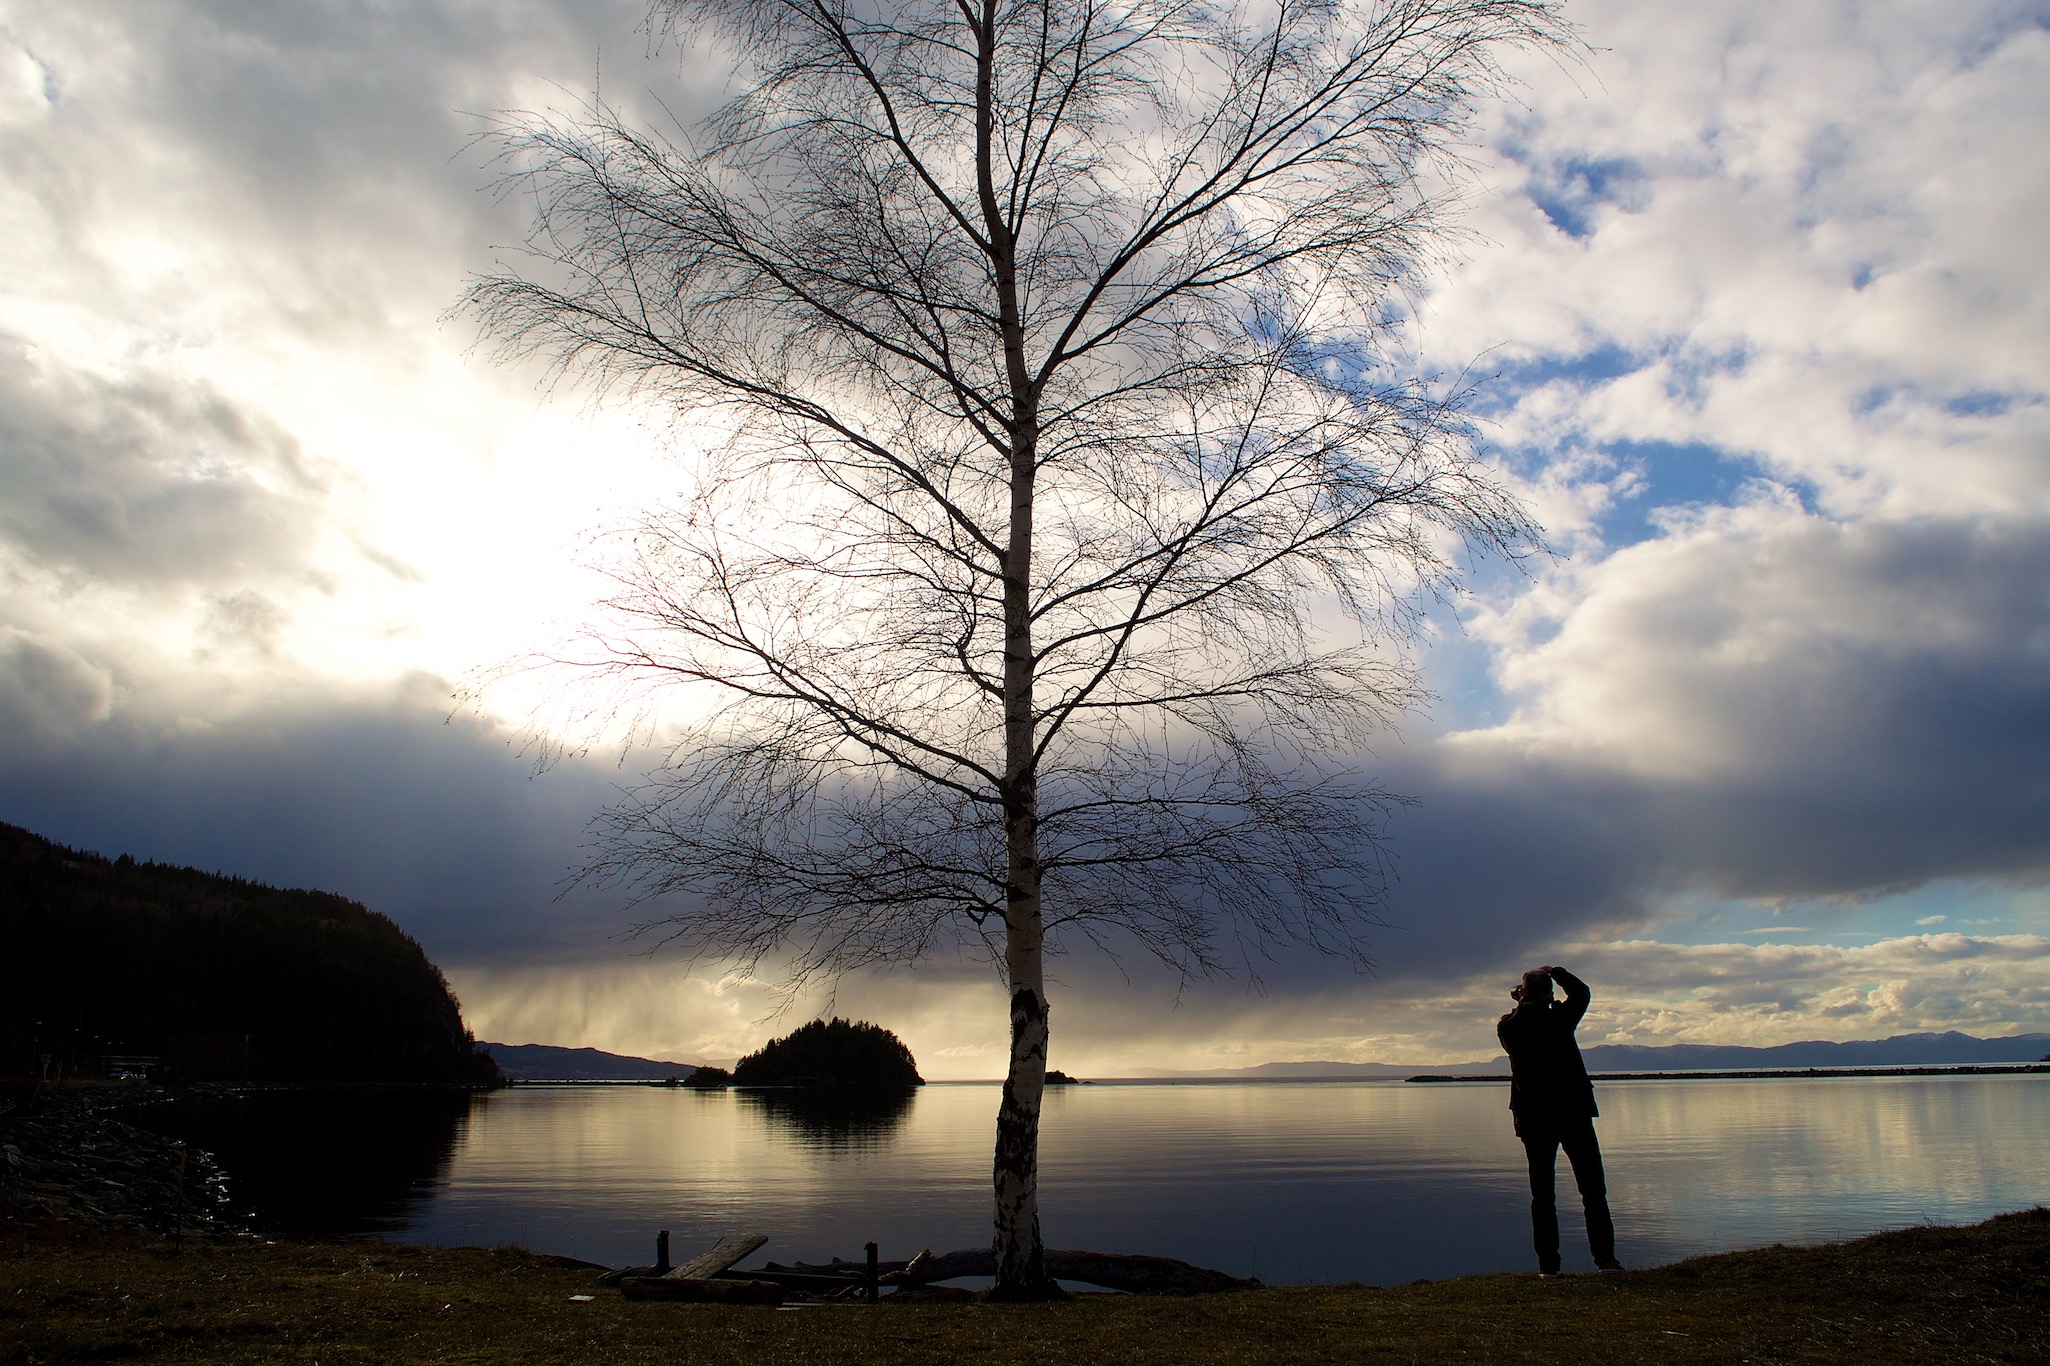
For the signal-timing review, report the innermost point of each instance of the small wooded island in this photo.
(824, 1053)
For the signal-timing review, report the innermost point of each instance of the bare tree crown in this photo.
(1065, 515)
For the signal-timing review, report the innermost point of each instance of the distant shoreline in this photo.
(1432, 1078)
(1779, 1073)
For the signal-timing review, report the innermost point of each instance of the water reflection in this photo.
(836, 1118)
(1294, 1183)
(342, 1162)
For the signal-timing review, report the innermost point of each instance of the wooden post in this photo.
(178, 1209)
(870, 1281)
(662, 1253)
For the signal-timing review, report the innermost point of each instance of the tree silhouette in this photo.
(1064, 519)
(220, 978)
(833, 1052)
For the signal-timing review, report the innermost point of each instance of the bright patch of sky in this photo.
(1948, 907)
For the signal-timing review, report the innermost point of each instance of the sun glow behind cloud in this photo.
(267, 314)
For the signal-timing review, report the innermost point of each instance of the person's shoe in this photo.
(1545, 1275)
(1611, 1267)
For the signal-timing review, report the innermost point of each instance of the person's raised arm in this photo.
(1577, 994)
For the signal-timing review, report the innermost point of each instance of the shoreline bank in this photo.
(1979, 1292)
(73, 1161)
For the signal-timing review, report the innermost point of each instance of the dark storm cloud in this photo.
(1847, 711)
(1818, 712)
(435, 822)
(1862, 765)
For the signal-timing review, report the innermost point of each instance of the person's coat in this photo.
(1549, 1090)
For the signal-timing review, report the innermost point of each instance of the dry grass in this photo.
(1921, 1295)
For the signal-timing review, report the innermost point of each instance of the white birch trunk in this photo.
(1019, 1251)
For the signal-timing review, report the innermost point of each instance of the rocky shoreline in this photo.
(70, 1165)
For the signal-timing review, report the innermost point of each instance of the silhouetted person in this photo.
(1553, 1102)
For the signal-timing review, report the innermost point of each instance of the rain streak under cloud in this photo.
(1754, 305)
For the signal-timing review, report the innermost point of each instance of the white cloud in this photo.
(1767, 994)
(24, 81)
(224, 375)
(48, 694)
(145, 484)
(1813, 235)
(1794, 249)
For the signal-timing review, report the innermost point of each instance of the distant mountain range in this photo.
(1902, 1050)
(546, 1062)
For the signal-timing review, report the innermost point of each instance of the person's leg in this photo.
(1585, 1153)
(1543, 1155)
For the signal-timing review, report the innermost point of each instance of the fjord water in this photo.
(1380, 1182)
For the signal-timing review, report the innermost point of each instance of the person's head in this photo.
(1537, 986)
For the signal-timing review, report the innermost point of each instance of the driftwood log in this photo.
(711, 1277)
(1111, 1270)
(700, 1290)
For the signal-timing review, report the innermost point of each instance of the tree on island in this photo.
(1064, 518)
(831, 1053)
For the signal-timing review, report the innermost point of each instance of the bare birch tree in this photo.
(1066, 519)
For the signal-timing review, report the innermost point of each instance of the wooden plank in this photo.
(721, 1258)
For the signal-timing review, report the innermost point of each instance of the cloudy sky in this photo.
(1760, 302)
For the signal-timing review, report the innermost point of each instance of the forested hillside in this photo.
(218, 977)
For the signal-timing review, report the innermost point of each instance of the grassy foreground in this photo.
(1920, 1295)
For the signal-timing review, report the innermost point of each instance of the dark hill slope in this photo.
(222, 978)
(548, 1062)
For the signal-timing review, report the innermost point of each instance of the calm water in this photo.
(1373, 1181)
